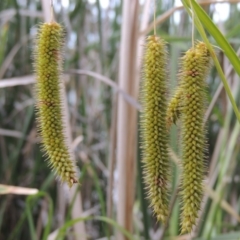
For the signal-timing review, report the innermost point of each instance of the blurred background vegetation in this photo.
(104, 42)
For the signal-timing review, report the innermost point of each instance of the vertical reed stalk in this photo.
(127, 117)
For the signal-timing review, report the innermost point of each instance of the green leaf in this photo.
(29, 203)
(199, 26)
(68, 224)
(218, 36)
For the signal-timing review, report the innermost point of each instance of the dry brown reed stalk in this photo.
(17, 81)
(141, 38)
(127, 117)
(112, 156)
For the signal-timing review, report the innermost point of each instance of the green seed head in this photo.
(153, 127)
(175, 104)
(195, 65)
(47, 63)
(174, 107)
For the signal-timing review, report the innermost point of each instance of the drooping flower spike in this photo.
(194, 69)
(49, 95)
(153, 126)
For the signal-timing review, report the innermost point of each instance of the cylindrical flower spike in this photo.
(175, 104)
(47, 63)
(195, 66)
(153, 126)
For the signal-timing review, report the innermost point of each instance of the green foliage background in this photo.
(93, 36)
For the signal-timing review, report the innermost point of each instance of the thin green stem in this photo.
(193, 26)
(51, 6)
(154, 16)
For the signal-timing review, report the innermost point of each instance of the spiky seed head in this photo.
(50, 112)
(195, 66)
(153, 127)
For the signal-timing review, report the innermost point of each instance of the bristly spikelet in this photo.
(195, 66)
(48, 100)
(174, 107)
(175, 104)
(153, 126)
(202, 47)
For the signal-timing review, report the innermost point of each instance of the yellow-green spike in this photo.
(175, 104)
(47, 63)
(153, 126)
(195, 66)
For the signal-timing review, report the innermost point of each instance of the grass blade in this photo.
(216, 62)
(68, 224)
(217, 35)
